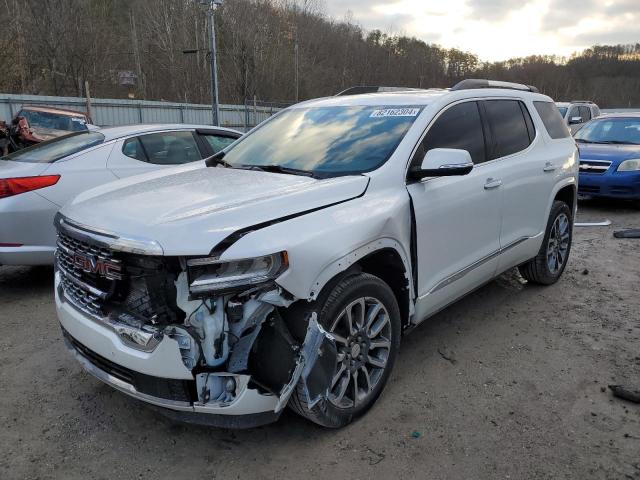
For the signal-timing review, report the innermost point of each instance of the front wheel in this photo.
(547, 267)
(362, 314)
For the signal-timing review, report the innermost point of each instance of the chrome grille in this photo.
(83, 287)
(594, 166)
(80, 296)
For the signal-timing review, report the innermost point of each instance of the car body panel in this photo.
(176, 205)
(611, 183)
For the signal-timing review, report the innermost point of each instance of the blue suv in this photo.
(610, 157)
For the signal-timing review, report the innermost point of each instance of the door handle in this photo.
(492, 183)
(549, 167)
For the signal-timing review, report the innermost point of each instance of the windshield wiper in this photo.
(217, 159)
(280, 169)
(615, 142)
(581, 140)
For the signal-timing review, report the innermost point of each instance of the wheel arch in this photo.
(384, 258)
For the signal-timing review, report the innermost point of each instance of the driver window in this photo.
(458, 127)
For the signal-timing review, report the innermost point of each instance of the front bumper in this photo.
(622, 185)
(158, 377)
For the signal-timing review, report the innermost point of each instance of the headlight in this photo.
(629, 165)
(210, 274)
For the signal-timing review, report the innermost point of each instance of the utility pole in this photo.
(297, 77)
(213, 4)
(136, 55)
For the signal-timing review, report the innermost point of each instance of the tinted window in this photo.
(327, 141)
(508, 127)
(552, 120)
(596, 111)
(170, 148)
(52, 150)
(573, 113)
(458, 127)
(133, 148)
(218, 142)
(585, 114)
(563, 111)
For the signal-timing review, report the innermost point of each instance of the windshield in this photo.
(611, 130)
(563, 111)
(326, 141)
(52, 150)
(54, 121)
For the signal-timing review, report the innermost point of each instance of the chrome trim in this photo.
(125, 387)
(594, 166)
(141, 340)
(75, 280)
(457, 165)
(461, 273)
(139, 245)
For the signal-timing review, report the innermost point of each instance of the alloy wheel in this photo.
(558, 245)
(363, 336)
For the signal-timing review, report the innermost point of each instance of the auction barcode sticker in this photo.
(395, 112)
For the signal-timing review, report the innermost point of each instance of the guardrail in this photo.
(114, 112)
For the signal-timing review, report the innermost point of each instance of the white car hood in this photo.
(189, 211)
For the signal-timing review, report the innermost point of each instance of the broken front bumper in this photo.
(158, 375)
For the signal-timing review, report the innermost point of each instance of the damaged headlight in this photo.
(211, 274)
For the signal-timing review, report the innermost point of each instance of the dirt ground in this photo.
(507, 383)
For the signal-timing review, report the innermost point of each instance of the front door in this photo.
(457, 218)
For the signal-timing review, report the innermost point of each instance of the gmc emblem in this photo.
(91, 264)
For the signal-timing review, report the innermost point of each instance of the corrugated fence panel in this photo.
(112, 112)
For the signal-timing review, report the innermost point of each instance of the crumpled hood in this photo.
(189, 211)
(612, 153)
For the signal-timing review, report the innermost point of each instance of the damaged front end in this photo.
(245, 351)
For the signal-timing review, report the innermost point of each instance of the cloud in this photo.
(500, 29)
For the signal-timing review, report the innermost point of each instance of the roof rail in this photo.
(474, 83)
(361, 90)
(581, 101)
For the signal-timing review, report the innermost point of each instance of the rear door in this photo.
(457, 218)
(526, 187)
(144, 153)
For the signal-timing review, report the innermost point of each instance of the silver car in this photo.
(577, 112)
(37, 181)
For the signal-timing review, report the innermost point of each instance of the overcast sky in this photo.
(501, 29)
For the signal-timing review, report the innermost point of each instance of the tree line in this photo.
(159, 50)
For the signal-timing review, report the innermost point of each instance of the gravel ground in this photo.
(507, 383)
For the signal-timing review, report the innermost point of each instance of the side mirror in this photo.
(443, 162)
(574, 120)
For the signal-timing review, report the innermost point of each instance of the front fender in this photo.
(322, 244)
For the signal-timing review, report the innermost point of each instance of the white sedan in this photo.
(37, 181)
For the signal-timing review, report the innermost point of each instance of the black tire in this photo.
(328, 308)
(537, 270)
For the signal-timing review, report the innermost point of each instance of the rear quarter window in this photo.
(552, 120)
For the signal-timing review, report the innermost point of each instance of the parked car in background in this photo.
(287, 271)
(36, 181)
(610, 156)
(577, 113)
(35, 124)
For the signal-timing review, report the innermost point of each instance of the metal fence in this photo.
(113, 112)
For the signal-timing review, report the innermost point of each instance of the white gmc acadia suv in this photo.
(287, 270)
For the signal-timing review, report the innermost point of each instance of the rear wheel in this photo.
(547, 267)
(362, 314)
